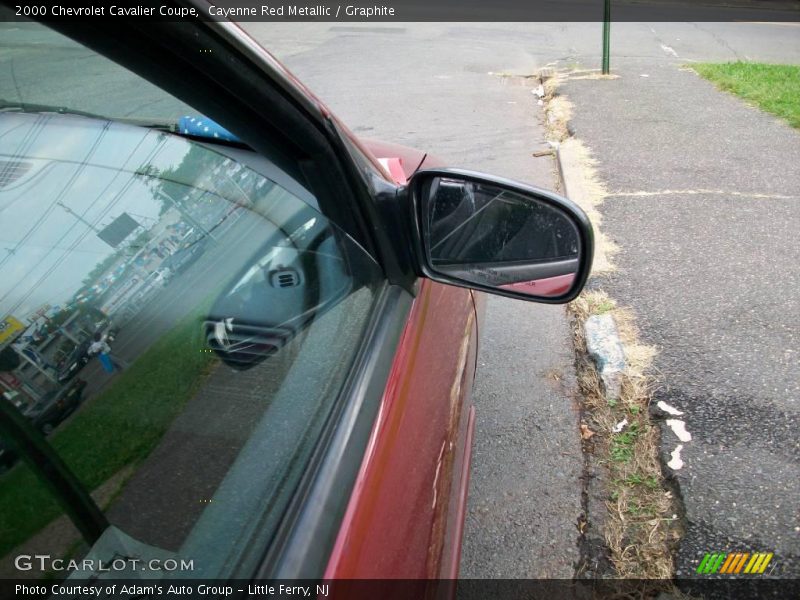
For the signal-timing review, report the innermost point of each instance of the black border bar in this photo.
(398, 589)
(405, 10)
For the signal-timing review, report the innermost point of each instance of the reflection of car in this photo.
(55, 406)
(183, 258)
(156, 279)
(341, 438)
(79, 356)
(46, 414)
(74, 362)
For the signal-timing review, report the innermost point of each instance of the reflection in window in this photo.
(177, 325)
(478, 223)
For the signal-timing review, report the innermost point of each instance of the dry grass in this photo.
(589, 192)
(592, 74)
(640, 525)
(585, 186)
(557, 109)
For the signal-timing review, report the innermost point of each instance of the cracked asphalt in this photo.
(705, 204)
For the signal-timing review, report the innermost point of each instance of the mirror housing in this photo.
(499, 236)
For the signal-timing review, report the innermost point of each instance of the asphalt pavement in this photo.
(705, 203)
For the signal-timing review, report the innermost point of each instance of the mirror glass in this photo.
(486, 234)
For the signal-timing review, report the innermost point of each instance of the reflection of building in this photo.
(127, 295)
(50, 339)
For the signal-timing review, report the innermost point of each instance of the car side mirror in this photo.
(499, 236)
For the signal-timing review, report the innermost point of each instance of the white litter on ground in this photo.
(620, 426)
(669, 409)
(679, 428)
(669, 50)
(604, 346)
(675, 462)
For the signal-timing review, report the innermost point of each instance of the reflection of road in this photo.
(185, 290)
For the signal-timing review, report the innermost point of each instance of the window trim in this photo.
(308, 530)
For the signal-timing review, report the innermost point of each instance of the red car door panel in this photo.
(405, 514)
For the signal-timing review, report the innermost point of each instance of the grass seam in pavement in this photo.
(637, 520)
(640, 527)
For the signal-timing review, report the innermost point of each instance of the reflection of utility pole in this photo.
(184, 213)
(77, 216)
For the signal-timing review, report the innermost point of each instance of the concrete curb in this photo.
(603, 342)
(562, 180)
(580, 185)
(595, 557)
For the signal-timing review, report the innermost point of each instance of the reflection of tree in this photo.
(151, 174)
(171, 186)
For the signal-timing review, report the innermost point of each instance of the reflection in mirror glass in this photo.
(176, 321)
(490, 235)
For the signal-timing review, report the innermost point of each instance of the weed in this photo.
(605, 305)
(637, 528)
(622, 444)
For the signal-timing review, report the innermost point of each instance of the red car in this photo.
(296, 405)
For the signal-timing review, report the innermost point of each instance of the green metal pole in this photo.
(606, 36)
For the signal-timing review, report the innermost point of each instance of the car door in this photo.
(295, 391)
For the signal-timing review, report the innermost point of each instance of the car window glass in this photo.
(51, 69)
(178, 320)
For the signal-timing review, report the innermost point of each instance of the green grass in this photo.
(621, 449)
(773, 88)
(119, 427)
(637, 479)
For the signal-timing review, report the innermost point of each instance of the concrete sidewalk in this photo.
(705, 203)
